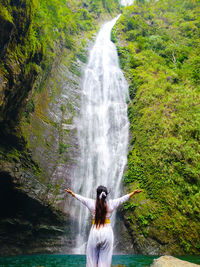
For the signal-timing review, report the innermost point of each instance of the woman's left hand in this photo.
(69, 191)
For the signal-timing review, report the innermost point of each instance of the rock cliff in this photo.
(43, 48)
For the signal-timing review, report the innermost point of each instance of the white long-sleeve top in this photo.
(112, 204)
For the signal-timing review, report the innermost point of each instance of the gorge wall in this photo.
(43, 49)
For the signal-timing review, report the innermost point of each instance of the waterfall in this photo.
(102, 127)
(126, 2)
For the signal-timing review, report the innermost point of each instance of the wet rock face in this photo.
(38, 145)
(51, 131)
(6, 31)
(38, 154)
(27, 225)
(124, 244)
(16, 78)
(36, 172)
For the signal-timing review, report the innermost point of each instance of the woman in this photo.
(100, 241)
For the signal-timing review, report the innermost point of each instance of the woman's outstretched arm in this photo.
(88, 202)
(135, 192)
(115, 203)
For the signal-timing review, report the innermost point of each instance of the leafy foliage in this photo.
(159, 52)
(43, 26)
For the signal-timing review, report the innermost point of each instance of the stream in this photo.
(80, 260)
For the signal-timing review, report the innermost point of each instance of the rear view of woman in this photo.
(100, 241)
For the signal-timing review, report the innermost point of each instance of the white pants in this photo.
(100, 246)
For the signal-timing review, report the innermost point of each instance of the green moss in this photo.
(5, 14)
(130, 206)
(75, 69)
(30, 108)
(12, 155)
(82, 56)
(23, 159)
(63, 148)
(159, 53)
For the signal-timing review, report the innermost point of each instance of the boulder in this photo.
(169, 261)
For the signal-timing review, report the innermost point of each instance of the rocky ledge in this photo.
(169, 261)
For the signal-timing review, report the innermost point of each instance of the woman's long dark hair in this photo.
(101, 206)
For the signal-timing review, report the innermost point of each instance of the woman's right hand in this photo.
(135, 192)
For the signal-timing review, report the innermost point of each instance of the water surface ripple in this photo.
(80, 260)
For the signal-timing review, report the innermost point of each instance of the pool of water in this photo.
(80, 260)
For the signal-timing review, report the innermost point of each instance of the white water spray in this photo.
(126, 2)
(102, 128)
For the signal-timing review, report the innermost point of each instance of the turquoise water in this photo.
(79, 260)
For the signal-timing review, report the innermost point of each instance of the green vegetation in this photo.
(34, 36)
(62, 148)
(159, 46)
(35, 32)
(52, 22)
(4, 13)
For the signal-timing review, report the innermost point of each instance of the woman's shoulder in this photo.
(109, 202)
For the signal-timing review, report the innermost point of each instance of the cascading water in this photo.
(102, 128)
(126, 2)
